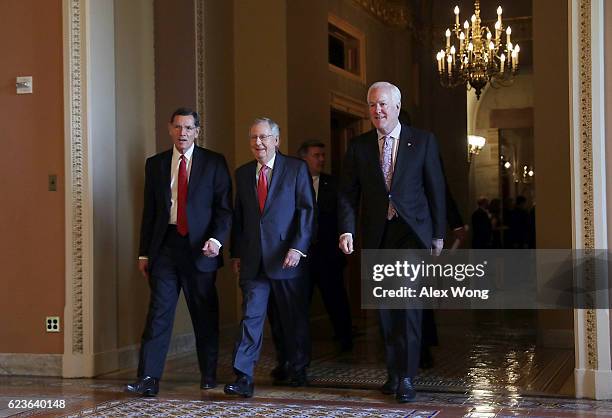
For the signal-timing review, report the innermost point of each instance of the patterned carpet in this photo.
(191, 408)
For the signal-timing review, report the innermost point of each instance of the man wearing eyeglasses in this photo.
(186, 220)
(271, 234)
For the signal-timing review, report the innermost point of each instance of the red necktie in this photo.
(181, 208)
(262, 187)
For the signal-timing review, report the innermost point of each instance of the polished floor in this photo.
(488, 370)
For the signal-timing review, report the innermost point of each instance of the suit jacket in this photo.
(417, 188)
(287, 221)
(209, 206)
(325, 246)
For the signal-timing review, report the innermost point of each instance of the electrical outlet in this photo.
(52, 324)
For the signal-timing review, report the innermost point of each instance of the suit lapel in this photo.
(197, 165)
(251, 183)
(404, 149)
(166, 170)
(277, 175)
(373, 150)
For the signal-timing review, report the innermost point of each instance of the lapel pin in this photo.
(409, 144)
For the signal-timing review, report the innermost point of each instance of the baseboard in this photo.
(593, 384)
(12, 364)
(127, 357)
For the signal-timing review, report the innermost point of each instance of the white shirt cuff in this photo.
(215, 241)
(299, 252)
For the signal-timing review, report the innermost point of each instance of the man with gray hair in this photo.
(396, 169)
(271, 232)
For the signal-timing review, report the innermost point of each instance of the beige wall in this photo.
(175, 62)
(552, 132)
(551, 118)
(307, 72)
(135, 140)
(31, 217)
(260, 69)
(220, 130)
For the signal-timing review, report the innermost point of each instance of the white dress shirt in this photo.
(174, 167)
(315, 185)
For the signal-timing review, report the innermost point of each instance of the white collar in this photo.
(269, 164)
(176, 154)
(395, 133)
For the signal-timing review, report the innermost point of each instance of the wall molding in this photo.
(200, 70)
(30, 364)
(77, 206)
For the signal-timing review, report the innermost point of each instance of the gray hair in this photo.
(396, 94)
(313, 143)
(273, 125)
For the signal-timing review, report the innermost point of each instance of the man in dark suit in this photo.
(396, 169)
(271, 232)
(325, 260)
(185, 221)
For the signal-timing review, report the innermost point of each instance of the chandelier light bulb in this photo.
(499, 11)
(462, 37)
(470, 47)
(497, 25)
(509, 31)
(488, 36)
(466, 25)
(453, 50)
(517, 48)
(473, 19)
(491, 46)
(456, 10)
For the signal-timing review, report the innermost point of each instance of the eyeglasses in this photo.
(188, 128)
(260, 137)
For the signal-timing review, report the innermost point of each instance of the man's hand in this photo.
(292, 259)
(436, 247)
(210, 249)
(236, 265)
(460, 234)
(346, 243)
(143, 267)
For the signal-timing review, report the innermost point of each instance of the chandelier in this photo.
(479, 57)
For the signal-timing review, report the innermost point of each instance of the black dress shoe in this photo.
(146, 386)
(280, 374)
(298, 378)
(208, 382)
(405, 391)
(243, 386)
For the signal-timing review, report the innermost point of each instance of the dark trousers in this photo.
(401, 328)
(172, 271)
(328, 277)
(290, 301)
